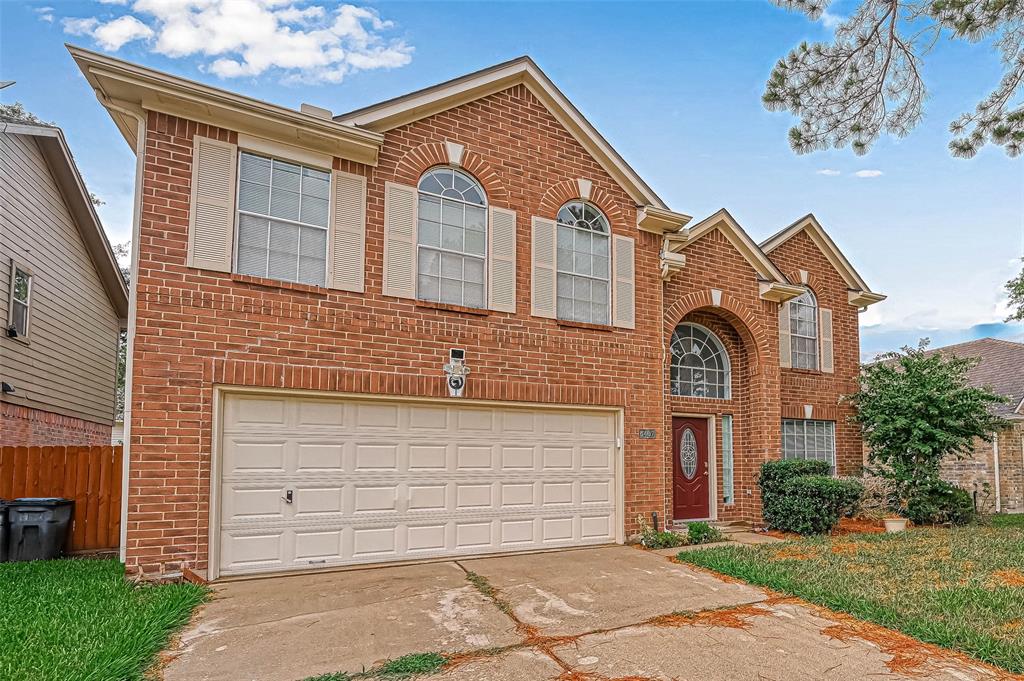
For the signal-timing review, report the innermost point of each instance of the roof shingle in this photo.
(1000, 367)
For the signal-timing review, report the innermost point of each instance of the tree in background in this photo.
(867, 81)
(122, 252)
(916, 408)
(1015, 290)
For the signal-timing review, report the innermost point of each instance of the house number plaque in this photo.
(648, 433)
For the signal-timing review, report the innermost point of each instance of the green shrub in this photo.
(702, 533)
(936, 502)
(774, 474)
(800, 496)
(663, 539)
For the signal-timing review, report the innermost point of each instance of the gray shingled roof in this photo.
(1001, 368)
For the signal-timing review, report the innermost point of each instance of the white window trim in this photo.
(607, 280)
(816, 338)
(485, 258)
(15, 267)
(238, 211)
(725, 355)
(831, 426)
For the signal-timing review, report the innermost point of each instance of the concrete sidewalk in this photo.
(600, 614)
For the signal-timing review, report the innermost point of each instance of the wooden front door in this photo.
(691, 481)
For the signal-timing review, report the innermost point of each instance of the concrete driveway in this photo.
(590, 614)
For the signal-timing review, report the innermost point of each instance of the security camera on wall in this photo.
(456, 372)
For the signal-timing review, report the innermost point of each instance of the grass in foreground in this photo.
(81, 619)
(961, 589)
(405, 667)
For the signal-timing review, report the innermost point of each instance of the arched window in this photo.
(700, 365)
(583, 264)
(803, 330)
(452, 238)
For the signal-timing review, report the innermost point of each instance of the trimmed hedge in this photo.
(800, 496)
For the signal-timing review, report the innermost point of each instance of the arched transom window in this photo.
(583, 264)
(700, 365)
(803, 329)
(452, 238)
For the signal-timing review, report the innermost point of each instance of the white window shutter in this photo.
(624, 282)
(542, 271)
(348, 231)
(785, 341)
(400, 205)
(827, 356)
(501, 260)
(211, 220)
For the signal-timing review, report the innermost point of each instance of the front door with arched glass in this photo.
(691, 481)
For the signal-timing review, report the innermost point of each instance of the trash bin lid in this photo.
(41, 501)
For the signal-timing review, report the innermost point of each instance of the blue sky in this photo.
(675, 87)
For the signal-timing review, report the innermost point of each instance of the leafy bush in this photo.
(774, 474)
(799, 496)
(937, 502)
(702, 533)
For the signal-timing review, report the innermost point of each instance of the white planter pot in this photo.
(895, 524)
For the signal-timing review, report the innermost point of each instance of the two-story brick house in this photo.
(303, 280)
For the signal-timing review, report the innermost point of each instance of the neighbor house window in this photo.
(727, 461)
(20, 311)
(803, 329)
(452, 238)
(700, 365)
(283, 213)
(806, 439)
(583, 264)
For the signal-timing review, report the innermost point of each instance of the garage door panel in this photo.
(380, 481)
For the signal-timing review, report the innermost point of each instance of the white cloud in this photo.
(868, 173)
(302, 42)
(831, 20)
(831, 172)
(114, 34)
(45, 14)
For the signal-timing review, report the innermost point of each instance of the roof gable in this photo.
(61, 165)
(399, 111)
(810, 225)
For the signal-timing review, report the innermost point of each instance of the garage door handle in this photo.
(289, 496)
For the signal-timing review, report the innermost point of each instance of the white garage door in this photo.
(373, 481)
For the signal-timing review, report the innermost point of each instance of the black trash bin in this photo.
(37, 528)
(3, 531)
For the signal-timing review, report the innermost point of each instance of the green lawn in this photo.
(82, 620)
(960, 588)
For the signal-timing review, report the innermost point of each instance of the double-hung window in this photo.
(583, 264)
(803, 329)
(807, 439)
(20, 310)
(283, 216)
(451, 239)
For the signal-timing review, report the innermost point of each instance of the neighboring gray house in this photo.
(63, 301)
(996, 470)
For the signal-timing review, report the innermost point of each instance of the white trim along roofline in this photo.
(404, 109)
(860, 294)
(121, 85)
(61, 162)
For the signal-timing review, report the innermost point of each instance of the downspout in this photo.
(995, 461)
(140, 152)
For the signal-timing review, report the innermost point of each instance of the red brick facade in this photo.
(27, 427)
(196, 329)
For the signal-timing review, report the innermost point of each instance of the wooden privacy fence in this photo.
(91, 475)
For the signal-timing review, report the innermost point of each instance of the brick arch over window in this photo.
(751, 329)
(814, 283)
(565, 191)
(429, 154)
